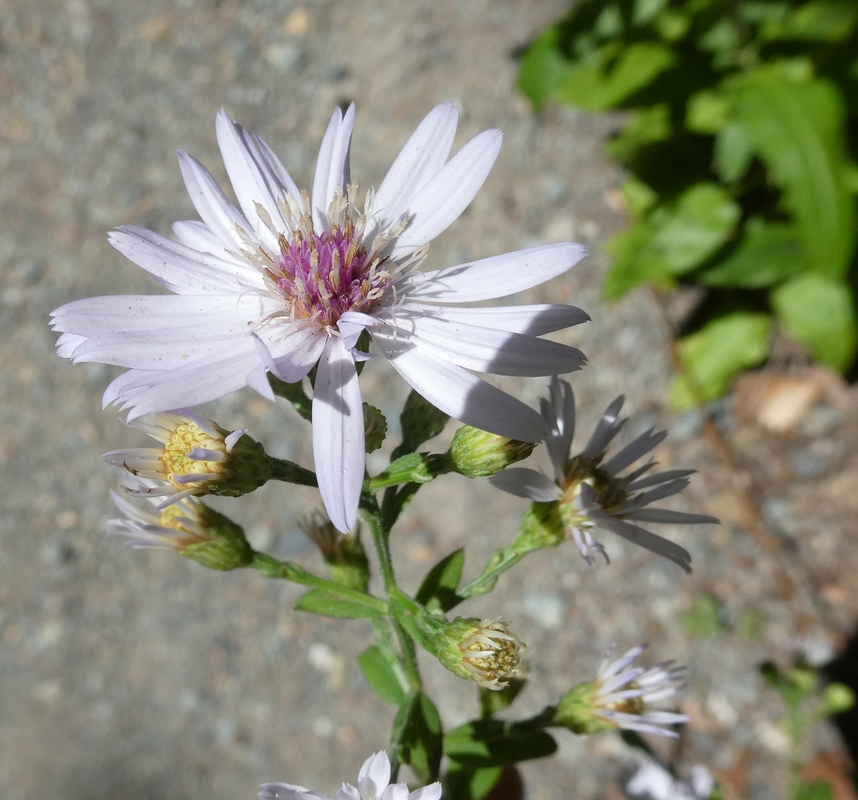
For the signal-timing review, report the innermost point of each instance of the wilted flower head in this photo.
(621, 696)
(196, 457)
(589, 489)
(291, 279)
(186, 527)
(484, 651)
(344, 554)
(373, 784)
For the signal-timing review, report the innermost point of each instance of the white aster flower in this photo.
(654, 782)
(177, 527)
(293, 279)
(623, 694)
(195, 453)
(373, 784)
(589, 489)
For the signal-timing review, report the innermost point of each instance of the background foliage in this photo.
(740, 148)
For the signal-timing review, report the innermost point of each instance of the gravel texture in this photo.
(145, 676)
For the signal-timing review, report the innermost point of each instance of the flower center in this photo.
(610, 492)
(322, 274)
(178, 463)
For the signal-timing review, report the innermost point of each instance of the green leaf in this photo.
(647, 126)
(490, 743)
(707, 112)
(492, 701)
(798, 130)
(463, 783)
(438, 588)
(816, 21)
(768, 253)
(718, 351)
(820, 312)
(543, 68)
(319, 601)
(672, 239)
(734, 152)
(420, 422)
(613, 74)
(381, 676)
(638, 196)
(837, 698)
(817, 790)
(423, 736)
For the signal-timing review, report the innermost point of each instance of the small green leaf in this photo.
(836, 699)
(492, 701)
(439, 586)
(633, 264)
(638, 196)
(543, 68)
(820, 312)
(817, 790)
(490, 743)
(704, 619)
(647, 126)
(318, 601)
(734, 152)
(423, 737)
(717, 352)
(798, 129)
(768, 253)
(707, 112)
(420, 422)
(381, 676)
(463, 783)
(613, 74)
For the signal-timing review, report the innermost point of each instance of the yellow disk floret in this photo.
(177, 463)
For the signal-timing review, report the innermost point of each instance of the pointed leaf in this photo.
(490, 743)
(423, 737)
(798, 129)
(318, 601)
(440, 584)
(381, 676)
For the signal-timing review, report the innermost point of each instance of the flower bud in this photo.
(344, 554)
(374, 426)
(478, 454)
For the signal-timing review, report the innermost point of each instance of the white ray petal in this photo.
(671, 517)
(440, 201)
(462, 395)
(338, 434)
(419, 160)
(493, 277)
(535, 320)
(197, 236)
(332, 165)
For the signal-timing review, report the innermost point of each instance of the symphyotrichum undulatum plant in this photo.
(741, 149)
(292, 293)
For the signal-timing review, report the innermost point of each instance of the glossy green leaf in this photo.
(613, 74)
(820, 312)
(713, 355)
(438, 589)
(318, 601)
(767, 254)
(381, 675)
(423, 737)
(543, 68)
(490, 743)
(798, 130)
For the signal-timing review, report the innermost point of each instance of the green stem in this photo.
(499, 563)
(272, 568)
(282, 470)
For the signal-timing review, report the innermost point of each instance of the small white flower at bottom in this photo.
(654, 782)
(373, 784)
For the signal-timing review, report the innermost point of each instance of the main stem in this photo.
(408, 657)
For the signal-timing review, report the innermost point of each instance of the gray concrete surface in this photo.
(143, 676)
